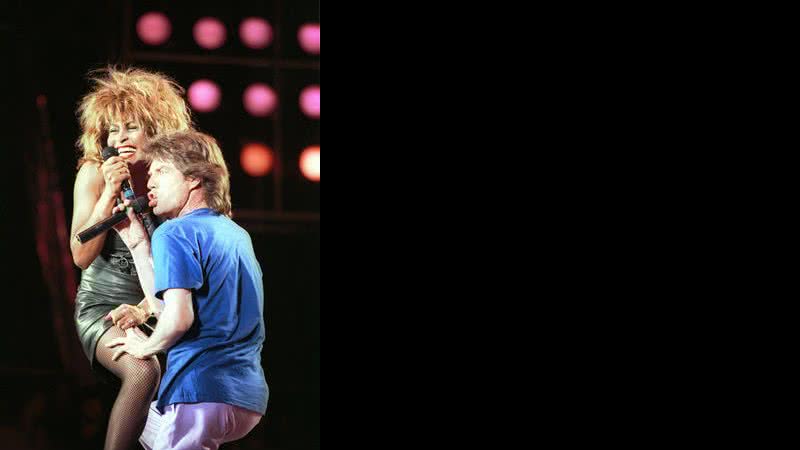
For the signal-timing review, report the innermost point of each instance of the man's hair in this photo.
(195, 155)
(150, 98)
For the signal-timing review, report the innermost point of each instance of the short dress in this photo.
(110, 281)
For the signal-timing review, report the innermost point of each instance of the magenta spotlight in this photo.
(204, 95)
(209, 33)
(255, 33)
(308, 36)
(260, 100)
(153, 28)
(309, 101)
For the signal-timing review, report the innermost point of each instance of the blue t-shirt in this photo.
(219, 359)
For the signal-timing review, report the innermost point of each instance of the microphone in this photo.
(108, 152)
(140, 205)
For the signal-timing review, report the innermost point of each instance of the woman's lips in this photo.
(126, 149)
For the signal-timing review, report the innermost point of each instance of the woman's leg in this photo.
(139, 385)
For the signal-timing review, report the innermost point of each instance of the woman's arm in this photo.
(92, 203)
(94, 198)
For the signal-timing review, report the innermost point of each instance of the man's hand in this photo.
(134, 344)
(131, 231)
(127, 316)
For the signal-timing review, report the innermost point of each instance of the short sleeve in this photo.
(176, 264)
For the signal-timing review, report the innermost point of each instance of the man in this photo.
(211, 321)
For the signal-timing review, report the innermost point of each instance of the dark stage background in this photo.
(49, 400)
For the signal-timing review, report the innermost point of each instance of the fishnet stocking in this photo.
(139, 385)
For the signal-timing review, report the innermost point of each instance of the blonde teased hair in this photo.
(196, 155)
(152, 99)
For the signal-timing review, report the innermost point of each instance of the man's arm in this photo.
(135, 237)
(134, 234)
(143, 260)
(176, 319)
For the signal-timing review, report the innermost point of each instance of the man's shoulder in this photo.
(192, 225)
(165, 228)
(174, 227)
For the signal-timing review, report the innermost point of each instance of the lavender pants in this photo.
(195, 426)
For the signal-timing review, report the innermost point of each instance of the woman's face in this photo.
(127, 137)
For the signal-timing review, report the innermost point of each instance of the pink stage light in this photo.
(204, 95)
(309, 162)
(209, 33)
(255, 33)
(153, 28)
(309, 101)
(308, 36)
(260, 100)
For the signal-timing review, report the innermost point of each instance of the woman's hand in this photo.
(132, 230)
(115, 171)
(127, 316)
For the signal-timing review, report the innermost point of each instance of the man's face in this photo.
(169, 189)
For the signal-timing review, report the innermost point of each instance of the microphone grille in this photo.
(141, 204)
(108, 152)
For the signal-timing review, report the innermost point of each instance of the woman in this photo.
(123, 110)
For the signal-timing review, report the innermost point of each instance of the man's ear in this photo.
(194, 183)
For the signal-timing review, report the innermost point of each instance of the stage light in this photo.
(255, 33)
(204, 95)
(153, 28)
(209, 33)
(256, 159)
(308, 36)
(309, 163)
(309, 101)
(259, 100)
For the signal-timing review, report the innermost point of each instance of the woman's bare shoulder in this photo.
(89, 176)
